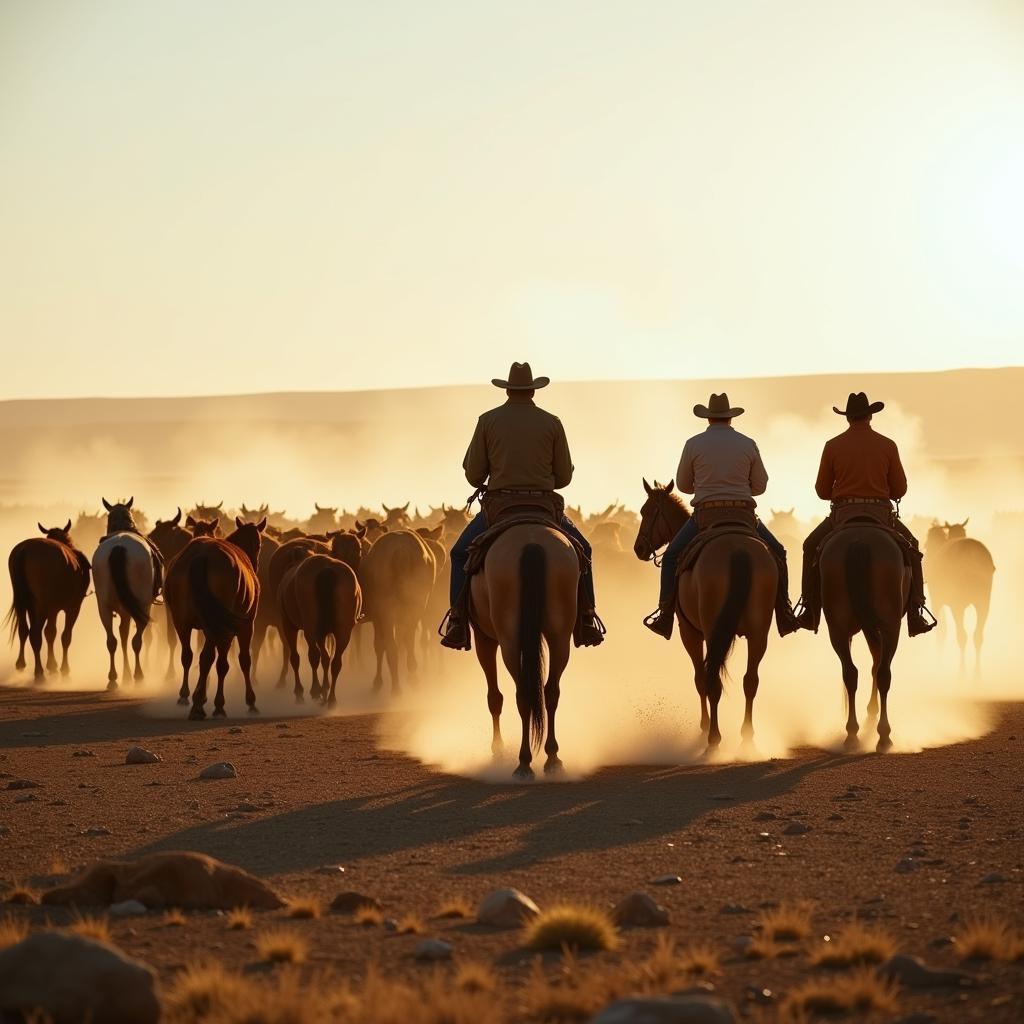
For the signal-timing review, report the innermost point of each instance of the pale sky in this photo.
(202, 197)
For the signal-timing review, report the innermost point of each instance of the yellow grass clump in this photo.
(175, 918)
(368, 916)
(282, 946)
(699, 959)
(789, 922)
(763, 948)
(59, 866)
(91, 927)
(11, 931)
(239, 919)
(473, 976)
(860, 991)
(304, 909)
(22, 895)
(571, 927)
(204, 992)
(411, 925)
(855, 944)
(454, 907)
(989, 937)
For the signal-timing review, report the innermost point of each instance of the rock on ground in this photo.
(911, 972)
(220, 770)
(350, 902)
(73, 979)
(140, 755)
(506, 908)
(433, 950)
(638, 910)
(191, 881)
(127, 908)
(667, 1010)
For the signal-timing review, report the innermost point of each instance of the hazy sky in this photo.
(204, 196)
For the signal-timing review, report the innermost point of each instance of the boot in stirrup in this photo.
(589, 631)
(456, 632)
(917, 624)
(660, 622)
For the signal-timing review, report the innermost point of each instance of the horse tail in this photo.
(723, 633)
(218, 622)
(858, 588)
(118, 563)
(21, 603)
(323, 587)
(532, 594)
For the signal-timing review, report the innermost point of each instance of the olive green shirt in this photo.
(519, 446)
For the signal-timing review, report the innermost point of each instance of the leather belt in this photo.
(862, 501)
(727, 503)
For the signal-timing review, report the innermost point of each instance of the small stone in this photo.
(4, 830)
(23, 784)
(638, 910)
(324, 869)
(235, 730)
(26, 798)
(742, 943)
(95, 830)
(666, 1010)
(140, 755)
(993, 877)
(836, 817)
(432, 950)
(506, 908)
(734, 908)
(905, 866)
(911, 972)
(796, 828)
(390, 924)
(667, 880)
(219, 770)
(764, 816)
(127, 908)
(761, 996)
(246, 808)
(350, 902)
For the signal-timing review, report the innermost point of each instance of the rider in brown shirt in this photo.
(860, 465)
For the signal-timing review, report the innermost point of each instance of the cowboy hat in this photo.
(520, 378)
(718, 408)
(858, 406)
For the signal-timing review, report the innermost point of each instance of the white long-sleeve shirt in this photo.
(721, 464)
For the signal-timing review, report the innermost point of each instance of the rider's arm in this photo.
(561, 460)
(684, 474)
(897, 476)
(826, 476)
(475, 463)
(758, 474)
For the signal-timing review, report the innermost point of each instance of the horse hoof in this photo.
(20, 664)
(553, 766)
(884, 745)
(852, 744)
(182, 702)
(139, 677)
(219, 713)
(65, 670)
(523, 772)
(112, 685)
(196, 715)
(300, 699)
(332, 702)
(253, 710)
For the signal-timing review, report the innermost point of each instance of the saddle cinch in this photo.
(717, 519)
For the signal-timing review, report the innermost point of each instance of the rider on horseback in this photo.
(518, 447)
(719, 467)
(860, 466)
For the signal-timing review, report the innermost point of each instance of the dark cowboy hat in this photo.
(718, 408)
(520, 378)
(858, 406)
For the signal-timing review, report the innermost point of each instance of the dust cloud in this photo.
(632, 700)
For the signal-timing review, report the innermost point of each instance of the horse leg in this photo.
(185, 636)
(981, 607)
(70, 618)
(340, 643)
(487, 656)
(259, 634)
(888, 644)
(390, 642)
(107, 618)
(874, 643)
(558, 658)
(206, 656)
(222, 671)
(961, 637)
(408, 639)
(140, 632)
(313, 653)
(756, 646)
(22, 639)
(841, 645)
(50, 634)
(124, 624)
(286, 654)
(290, 643)
(35, 639)
(172, 640)
(694, 644)
(245, 664)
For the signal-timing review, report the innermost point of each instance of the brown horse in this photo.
(212, 586)
(203, 527)
(730, 592)
(523, 599)
(321, 597)
(49, 575)
(170, 539)
(960, 571)
(865, 584)
(396, 575)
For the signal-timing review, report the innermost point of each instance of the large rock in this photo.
(506, 908)
(191, 881)
(667, 1010)
(638, 910)
(73, 980)
(140, 755)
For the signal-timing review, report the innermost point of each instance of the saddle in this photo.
(718, 519)
(875, 513)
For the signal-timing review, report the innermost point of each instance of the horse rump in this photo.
(723, 634)
(21, 602)
(216, 620)
(118, 564)
(858, 588)
(323, 587)
(532, 594)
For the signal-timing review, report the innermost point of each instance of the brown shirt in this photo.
(519, 446)
(860, 464)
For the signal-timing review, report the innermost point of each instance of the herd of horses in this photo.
(323, 577)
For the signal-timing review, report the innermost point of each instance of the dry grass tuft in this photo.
(699, 959)
(454, 907)
(282, 946)
(59, 866)
(789, 922)
(989, 937)
(410, 925)
(856, 944)
(861, 991)
(11, 931)
(175, 918)
(368, 916)
(22, 895)
(473, 976)
(91, 927)
(304, 909)
(205, 992)
(239, 919)
(571, 927)
(763, 948)
(570, 998)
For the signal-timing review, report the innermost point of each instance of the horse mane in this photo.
(672, 497)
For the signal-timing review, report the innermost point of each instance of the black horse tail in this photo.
(723, 633)
(858, 588)
(119, 576)
(532, 595)
(218, 622)
(21, 604)
(323, 587)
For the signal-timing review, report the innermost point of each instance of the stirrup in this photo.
(659, 619)
(456, 642)
(592, 634)
(924, 626)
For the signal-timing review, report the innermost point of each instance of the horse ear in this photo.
(264, 508)
(220, 504)
(387, 511)
(177, 518)
(436, 533)
(262, 524)
(360, 530)
(107, 505)
(405, 507)
(42, 529)
(966, 521)
(67, 528)
(670, 487)
(239, 522)
(189, 521)
(791, 511)
(647, 486)
(128, 503)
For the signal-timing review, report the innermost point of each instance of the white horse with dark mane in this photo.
(126, 575)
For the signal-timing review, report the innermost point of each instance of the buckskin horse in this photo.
(212, 586)
(49, 575)
(730, 592)
(125, 575)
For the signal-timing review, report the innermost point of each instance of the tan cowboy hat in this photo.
(718, 408)
(520, 378)
(858, 406)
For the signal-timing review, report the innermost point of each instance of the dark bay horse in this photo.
(730, 592)
(523, 600)
(49, 575)
(212, 586)
(865, 584)
(170, 538)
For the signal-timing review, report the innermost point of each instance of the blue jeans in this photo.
(679, 542)
(460, 552)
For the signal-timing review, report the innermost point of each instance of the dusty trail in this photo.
(324, 792)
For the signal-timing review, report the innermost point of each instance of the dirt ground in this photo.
(917, 843)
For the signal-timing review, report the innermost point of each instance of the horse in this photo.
(204, 511)
(397, 518)
(126, 575)
(170, 539)
(203, 527)
(960, 571)
(212, 586)
(730, 592)
(437, 603)
(49, 575)
(396, 575)
(321, 597)
(88, 530)
(522, 599)
(323, 519)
